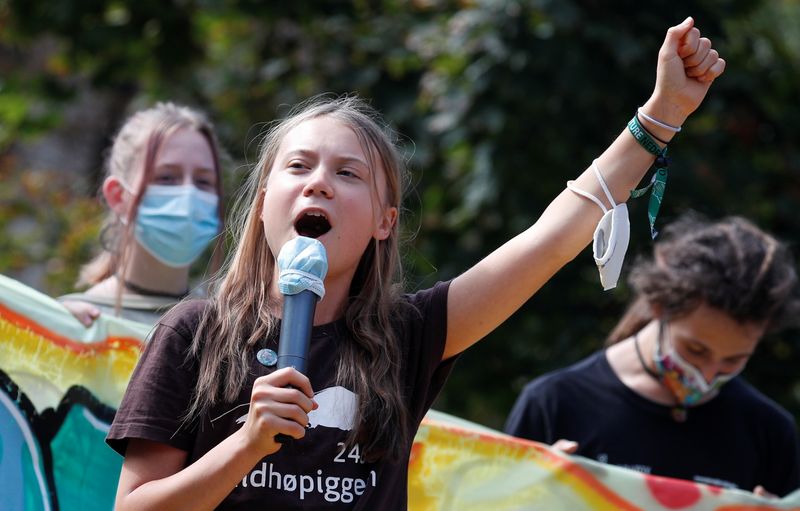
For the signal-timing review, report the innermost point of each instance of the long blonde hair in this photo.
(240, 313)
(139, 140)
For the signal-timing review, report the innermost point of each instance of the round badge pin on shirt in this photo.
(267, 357)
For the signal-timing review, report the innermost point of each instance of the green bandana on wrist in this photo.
(659, 181)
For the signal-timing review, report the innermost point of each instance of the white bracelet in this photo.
(674, 129)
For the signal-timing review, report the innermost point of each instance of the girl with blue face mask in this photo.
(164, 191)
(665, 397)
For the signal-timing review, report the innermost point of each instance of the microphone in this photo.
(303, 264)
(298, 316)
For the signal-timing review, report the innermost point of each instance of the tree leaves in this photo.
(501, 103)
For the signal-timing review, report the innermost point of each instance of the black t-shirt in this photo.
(739, 439)
(318, 471)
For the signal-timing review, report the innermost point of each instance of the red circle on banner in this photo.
(673, 493)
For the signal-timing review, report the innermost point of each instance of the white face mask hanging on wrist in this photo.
(611, 236)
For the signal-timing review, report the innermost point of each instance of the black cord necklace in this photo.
(149, 292)
(646, 368)
(678, 412)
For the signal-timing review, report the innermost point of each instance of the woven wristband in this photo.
(643, 137)
(659, 181)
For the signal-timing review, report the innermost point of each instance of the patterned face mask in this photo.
(684, 380)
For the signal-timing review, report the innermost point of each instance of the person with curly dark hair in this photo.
(665, 397)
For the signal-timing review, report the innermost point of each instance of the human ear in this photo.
(114, 193)
(386, 224)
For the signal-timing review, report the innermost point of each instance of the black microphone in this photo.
(303, 264)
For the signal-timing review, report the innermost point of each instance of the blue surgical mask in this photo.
(303, 263)
(176, 223)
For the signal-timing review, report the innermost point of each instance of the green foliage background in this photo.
(501, 102)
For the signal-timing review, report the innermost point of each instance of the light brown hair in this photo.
(240, 313)
(133, 153)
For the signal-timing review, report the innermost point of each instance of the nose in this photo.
(318, 184)
(710, 372)
(182, 177)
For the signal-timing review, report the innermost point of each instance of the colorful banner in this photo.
(61, 382)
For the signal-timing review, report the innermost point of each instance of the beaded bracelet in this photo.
(658, 183)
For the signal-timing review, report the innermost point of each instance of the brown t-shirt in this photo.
(319, 471)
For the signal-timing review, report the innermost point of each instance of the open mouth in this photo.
(312, 224)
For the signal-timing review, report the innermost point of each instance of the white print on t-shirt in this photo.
(332, 488)
(337, 409)
(344, 456)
